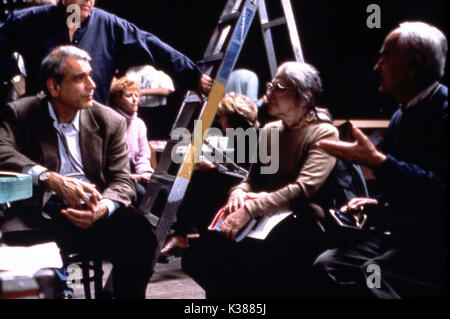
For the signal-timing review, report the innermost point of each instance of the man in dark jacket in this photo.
(411, 169)
(75, 150)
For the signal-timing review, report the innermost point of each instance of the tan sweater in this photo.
(303, 167)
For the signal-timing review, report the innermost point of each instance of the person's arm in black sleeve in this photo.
(146, 46)
(408, 184)
(9, 34)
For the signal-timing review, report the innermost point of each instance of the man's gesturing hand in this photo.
(361, 151)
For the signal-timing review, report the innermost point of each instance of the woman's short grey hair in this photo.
(427, 41)
(53, 64)
(305, 78)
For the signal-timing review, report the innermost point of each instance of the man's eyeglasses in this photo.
(277, 87)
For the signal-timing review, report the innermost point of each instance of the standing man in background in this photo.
(109, 40)
(153, 109)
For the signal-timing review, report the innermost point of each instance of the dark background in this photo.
(333, 34)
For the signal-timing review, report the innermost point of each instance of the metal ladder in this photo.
(169, 182)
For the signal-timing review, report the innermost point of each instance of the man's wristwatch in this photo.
(43, 177)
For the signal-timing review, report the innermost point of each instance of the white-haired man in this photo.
(411, 169)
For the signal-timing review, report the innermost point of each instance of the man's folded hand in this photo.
(85, 218)
(76, 192)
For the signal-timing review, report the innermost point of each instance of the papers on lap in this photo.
(266, 223)
(257, 228)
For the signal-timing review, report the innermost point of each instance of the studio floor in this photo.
(167, 282)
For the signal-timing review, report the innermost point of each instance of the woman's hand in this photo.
(234, 222)
(204, 164)
(144, 177)
(236, 200)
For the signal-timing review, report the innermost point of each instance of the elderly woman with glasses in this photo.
(234, 111)
(269, 267)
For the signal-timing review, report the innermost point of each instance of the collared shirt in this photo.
(69, 154)
(69, 145)
(422, 95)
(113, 43)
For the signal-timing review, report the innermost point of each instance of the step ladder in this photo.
(168, 184)
(266, 26)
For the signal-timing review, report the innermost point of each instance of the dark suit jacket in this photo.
(27, 137)
(413, 179)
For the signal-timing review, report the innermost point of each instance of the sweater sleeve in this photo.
(142, 163)
(315, 170)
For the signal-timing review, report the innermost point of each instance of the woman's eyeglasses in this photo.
(277, 88)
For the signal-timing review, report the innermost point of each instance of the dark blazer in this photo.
(413, 179)
(27, 137)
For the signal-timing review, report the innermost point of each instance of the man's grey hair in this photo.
(53, 64)
(427, 41)
(305, 78)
